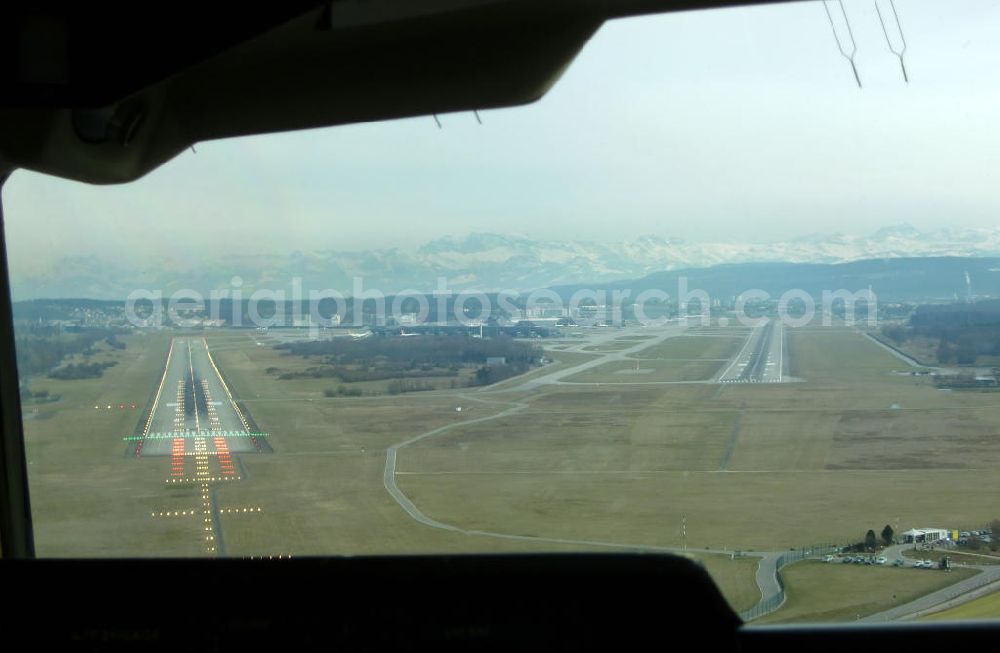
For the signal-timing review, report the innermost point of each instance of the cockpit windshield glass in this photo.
(730, 290)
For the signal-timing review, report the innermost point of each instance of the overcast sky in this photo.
(719, 125)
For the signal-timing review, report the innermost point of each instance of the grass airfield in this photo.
(665, 458)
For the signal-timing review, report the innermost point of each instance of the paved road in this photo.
(389, 474)
(767, 576)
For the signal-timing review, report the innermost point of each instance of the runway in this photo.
(193, 412)
(762, 358)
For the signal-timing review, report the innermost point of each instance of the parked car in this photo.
(881, 560)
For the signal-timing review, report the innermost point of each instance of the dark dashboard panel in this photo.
(561, 602)
(471, 602)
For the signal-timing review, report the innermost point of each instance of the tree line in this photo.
(413, 353)
(41, 352)
(963, 331)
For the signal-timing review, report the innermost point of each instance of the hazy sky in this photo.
(719, 125)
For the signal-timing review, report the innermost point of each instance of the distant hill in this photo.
(491, 262)
(891, 279)
(912, 280)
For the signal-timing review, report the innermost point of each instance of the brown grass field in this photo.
(850, 447)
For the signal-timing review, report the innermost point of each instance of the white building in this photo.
(925, 535)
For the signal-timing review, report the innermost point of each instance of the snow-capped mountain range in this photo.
(489, 262)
